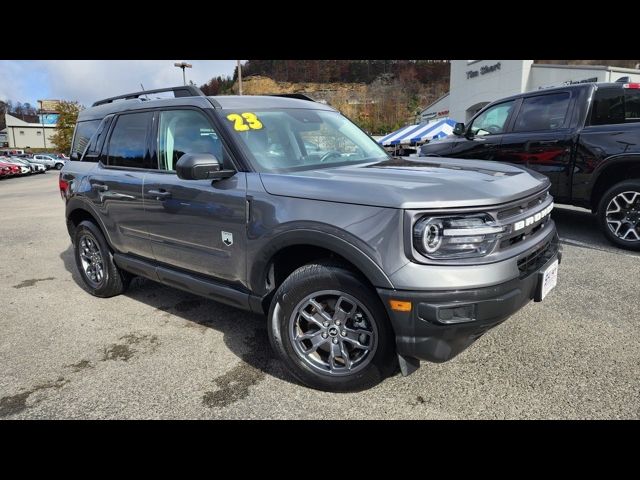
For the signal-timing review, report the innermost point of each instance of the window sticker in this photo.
(239, 120)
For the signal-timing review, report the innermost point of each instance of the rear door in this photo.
(195, 225)
(484, 133)
(116, 183)
(541, 138)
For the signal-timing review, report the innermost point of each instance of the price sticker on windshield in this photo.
(244, 121)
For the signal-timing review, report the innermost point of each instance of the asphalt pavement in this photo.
(157, 352)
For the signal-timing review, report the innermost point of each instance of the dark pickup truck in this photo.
(585, 138)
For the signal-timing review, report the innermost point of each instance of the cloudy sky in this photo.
(89, 80)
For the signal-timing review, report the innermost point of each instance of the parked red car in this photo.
(9, 169)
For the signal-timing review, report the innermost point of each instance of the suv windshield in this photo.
(282, 140)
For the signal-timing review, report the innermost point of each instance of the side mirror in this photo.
(201, 166)
(458, 129)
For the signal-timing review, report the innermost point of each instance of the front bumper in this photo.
(425, 332)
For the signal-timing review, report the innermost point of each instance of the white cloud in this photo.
(89, 80)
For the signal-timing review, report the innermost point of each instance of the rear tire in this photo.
(59, 166)
(619, 214)
(95, 264)
(331, 330)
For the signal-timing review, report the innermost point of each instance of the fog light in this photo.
(459, 314)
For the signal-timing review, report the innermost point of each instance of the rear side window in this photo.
(84, 132)
(608, 106)
(543, 112)
(128, 142)
(632, 105)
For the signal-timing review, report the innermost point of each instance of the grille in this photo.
(518, 209)
(537, 258)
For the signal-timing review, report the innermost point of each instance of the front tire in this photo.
(95, 262)
(331, 330)
(619, 214)
(59, 166)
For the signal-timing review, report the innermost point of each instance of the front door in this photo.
(484, 133)
(196, 225)
(541, 140)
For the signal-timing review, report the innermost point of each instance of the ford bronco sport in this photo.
(282, 206)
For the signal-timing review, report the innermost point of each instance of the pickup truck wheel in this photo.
(619, 214)
(95, 262)
(331, 330)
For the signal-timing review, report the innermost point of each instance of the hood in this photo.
(411, 183)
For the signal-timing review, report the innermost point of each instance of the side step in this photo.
(184, 281)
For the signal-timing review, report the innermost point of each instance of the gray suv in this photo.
(361, 262)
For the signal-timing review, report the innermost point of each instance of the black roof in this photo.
(574, 86)
(106, 107)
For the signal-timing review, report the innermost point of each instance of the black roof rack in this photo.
(299, 96)
(184, 91)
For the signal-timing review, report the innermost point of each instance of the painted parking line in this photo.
(577, 243)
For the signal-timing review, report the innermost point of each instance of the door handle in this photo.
(100, 187)
(161, 194)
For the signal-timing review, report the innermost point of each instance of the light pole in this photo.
(44, 133)
(183, 65)
(239, 78)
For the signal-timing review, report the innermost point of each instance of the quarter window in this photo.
(84, 132)
(493, 120)
(186, 131)
(128, 142)
(543, 112)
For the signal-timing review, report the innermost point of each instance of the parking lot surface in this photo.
(157, 352)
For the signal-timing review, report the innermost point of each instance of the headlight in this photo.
(456, 236)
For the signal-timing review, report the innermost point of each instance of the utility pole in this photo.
(239, 78)
(183, 65)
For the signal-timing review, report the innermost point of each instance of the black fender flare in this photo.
(609, 162)
(79, 203)
(338, 242)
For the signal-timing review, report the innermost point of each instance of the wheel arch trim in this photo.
(259, 268)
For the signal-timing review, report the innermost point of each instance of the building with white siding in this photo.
(21, 134)
(476, 83)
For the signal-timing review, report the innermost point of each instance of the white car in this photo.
(49, 161)
(24, 170)
(27, 162)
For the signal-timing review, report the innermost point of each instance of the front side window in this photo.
(128, 142)
(283, 140)
(186, 131)
(543, 112)
(493, 120)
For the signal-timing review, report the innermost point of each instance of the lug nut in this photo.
(324, 335)
(335, 340)
(326, 324)
(343, 333)
(337, 322)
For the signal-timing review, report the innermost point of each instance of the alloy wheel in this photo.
(623, 216)
(91, 259)
(333, 332)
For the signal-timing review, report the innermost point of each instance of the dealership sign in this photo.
(483, 70)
